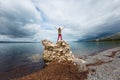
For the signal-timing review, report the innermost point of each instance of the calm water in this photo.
(83, 48)
(17, 55)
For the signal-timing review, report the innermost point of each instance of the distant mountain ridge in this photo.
(87, 39)
(16, 42)
(113, 37)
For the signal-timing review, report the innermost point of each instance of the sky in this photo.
(35, 20)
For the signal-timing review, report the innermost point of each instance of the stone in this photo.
(60, 52)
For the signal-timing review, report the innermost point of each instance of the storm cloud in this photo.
(33, 20)
(15, 16)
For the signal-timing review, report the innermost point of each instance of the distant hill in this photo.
(15, 42)
(113, 37)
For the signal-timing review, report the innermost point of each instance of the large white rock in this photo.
(60, 52)
(57, 52)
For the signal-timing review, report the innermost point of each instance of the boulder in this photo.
(60, 52)
(57, 52)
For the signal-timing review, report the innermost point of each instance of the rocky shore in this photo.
(62, 65)
(104, 65)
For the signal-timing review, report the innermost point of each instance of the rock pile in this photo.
(57, 52)
(61, 52)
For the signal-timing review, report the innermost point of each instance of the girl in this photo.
(59, 33)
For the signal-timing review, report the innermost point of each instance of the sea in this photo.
(18, 59)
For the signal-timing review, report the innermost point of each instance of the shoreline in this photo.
(105, 65)
(96, 64)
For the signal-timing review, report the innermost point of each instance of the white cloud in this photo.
(81, 18)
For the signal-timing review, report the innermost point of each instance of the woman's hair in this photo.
(59, 28)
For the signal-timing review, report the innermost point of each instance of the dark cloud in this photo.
(108, 28)
(14, 19)
(13, 28)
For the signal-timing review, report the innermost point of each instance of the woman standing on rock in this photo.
(59, 33)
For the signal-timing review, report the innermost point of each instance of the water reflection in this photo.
(83, 48)
(26, 57)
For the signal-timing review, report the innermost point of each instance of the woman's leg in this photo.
(61, 36)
